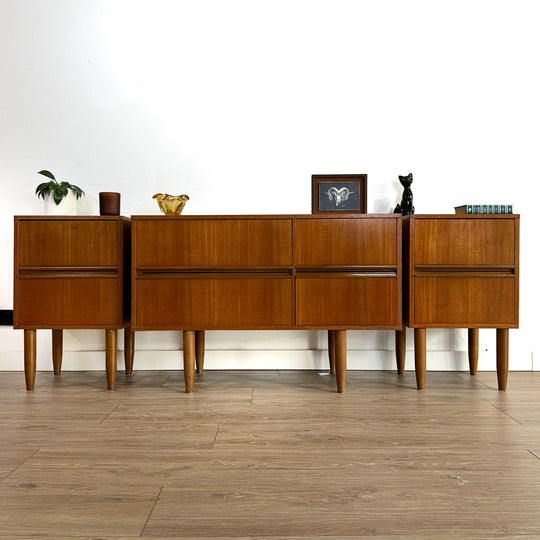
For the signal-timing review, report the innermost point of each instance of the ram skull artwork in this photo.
(339, 195)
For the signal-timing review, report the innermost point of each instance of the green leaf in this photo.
(43, 189)
(48, 174)
(78, 191)
(58, 194)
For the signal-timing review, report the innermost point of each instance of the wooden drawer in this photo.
(464, 241)
(329, 300)
(212, 243)
(346, 242)
(67, 302)
(58, 243)
(225, 301)
(465, 302)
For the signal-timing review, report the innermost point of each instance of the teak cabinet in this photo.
(197, 273)
(72, 272)
(461, 271)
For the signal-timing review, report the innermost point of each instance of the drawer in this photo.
(67, 302)
(213, 243)
(52, 243)
(465, 301)
(328, 301)
(224, 301)
(346, 242)
(464, 242)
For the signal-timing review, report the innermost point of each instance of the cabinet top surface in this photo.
(70, 218)
(270, 216)
(462, 216)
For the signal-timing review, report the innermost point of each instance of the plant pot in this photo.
(67, 206)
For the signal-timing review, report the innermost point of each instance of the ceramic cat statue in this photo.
(405, 207)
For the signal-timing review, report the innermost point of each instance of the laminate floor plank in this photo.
(385, 505)
(35, 510)
(155, 436)
(273, 455)
(12, 458)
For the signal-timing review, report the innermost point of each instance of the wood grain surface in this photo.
(270, 454)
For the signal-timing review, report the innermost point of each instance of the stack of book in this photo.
(484, 209)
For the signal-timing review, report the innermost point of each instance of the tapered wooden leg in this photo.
(189, 359)
(401, 348)
(57, 350)
(473, 350)
(111, 346)
(341, 359)
(332, 350)
(129, 349)
(30, 358)
(420, 357)
(199, 350)
(502, 357)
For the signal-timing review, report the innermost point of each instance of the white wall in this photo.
(238, 102)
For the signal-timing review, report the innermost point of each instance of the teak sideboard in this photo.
(460, 271)
(72, 272)
(331, 272)
(197, 273)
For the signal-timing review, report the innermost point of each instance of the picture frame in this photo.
(339, 193)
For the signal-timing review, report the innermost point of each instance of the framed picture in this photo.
(339, 193)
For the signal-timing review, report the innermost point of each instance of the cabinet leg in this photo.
(57, 350)
(129, 349)
(30, 358)
(332, 350)
(502, 357)
(420, 357)
(341, 359)
(189, 359)
(401, 347)
(111, 346)
(473, 350)
(199, 350)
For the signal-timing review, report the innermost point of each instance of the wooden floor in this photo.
(270, 455)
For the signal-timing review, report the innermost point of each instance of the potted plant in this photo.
(59, 197)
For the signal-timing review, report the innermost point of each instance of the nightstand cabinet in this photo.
(461, 271)
(72, 272)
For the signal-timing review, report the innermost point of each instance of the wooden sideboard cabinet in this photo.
(197, 273)
(461, 271)
(72, 272)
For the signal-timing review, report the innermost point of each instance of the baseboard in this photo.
(262, 359)
(84, 350)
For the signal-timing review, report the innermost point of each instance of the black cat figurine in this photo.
(405, 207)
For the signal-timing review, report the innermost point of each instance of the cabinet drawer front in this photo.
(68, 243)
(464, 242)
(370, 302)
(68, 302)
(213, 243)
(465, 301)
(205, 302)
(346, 242)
